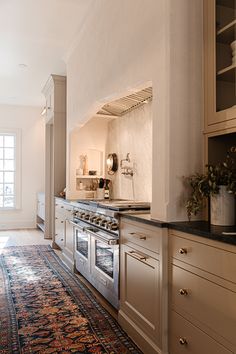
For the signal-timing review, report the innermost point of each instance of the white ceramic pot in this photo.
(223, 208)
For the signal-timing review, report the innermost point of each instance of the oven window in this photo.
(82, 243)
(104, 256)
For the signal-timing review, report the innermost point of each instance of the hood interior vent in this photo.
(126, 104)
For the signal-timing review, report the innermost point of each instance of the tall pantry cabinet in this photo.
(55, 149)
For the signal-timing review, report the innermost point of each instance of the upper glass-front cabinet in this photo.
(220, 64)
(225, 54)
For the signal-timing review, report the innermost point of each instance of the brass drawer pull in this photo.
(183, 251)
(138, 256)
(139, 235)
(183, 292)
(183, 341)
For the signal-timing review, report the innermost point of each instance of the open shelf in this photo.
(89, 176)
(227, 74)
(41, 226)
(227, 33)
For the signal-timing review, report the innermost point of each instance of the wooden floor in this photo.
(26, 237)
(22, 237)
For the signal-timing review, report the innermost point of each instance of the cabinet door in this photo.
(69, 239)
(140, 290)
(220, 66)
(59, 231)
(50, 105)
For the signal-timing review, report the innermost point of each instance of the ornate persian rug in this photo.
(44, 308)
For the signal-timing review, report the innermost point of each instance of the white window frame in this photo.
(17, 181)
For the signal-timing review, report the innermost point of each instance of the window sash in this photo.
(9, 171)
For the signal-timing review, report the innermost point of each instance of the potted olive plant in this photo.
(219, 184)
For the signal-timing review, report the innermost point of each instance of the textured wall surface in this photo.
(132, 134)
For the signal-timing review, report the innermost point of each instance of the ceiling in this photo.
(34, 37)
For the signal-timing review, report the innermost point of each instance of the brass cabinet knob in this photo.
(183, 341)
(182, 251)
(183, 291)
(143, 238)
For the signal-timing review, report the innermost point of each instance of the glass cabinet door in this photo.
(104, 257)
(225, 16)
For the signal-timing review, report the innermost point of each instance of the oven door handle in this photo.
(82, 228)
(111, 242)
(75, 224)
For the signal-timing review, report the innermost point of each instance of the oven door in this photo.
(105, 266)
(82, 250)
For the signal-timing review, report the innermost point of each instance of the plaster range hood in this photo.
(125, 104)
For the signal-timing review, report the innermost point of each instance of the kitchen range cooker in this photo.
(96, 234)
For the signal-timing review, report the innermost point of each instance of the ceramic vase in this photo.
(222, 208)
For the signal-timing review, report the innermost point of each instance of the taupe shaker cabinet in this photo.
(202, 306)
(219, 65)
(55, 146)
(141, 311)
(64, 235)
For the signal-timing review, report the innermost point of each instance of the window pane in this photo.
(1, 177)
(1, 189)
(9, 189)
(9, 141)
(9, 177)
(9, 165)
(1, 153)
(9, 202)
(1, 164)
(1, 140)
(8, 153)
(1, 202)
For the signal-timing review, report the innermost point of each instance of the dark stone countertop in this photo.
(144, 217)
(198, 228)
(226, 234)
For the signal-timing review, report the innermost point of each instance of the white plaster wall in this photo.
(132, 134)
(31, 125)
(92, 135)
(177, 135)
(125, 44)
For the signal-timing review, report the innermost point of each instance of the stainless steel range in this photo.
(96, 231)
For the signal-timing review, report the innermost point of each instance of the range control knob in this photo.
(93, 218)
(103, 222)
(113, 226)
(86, 217)
(97, 220)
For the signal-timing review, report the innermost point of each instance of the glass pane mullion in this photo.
(7, 176)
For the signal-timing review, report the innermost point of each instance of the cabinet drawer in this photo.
(212, 259)
(186, 338)
(137, 233)
(207, 302)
